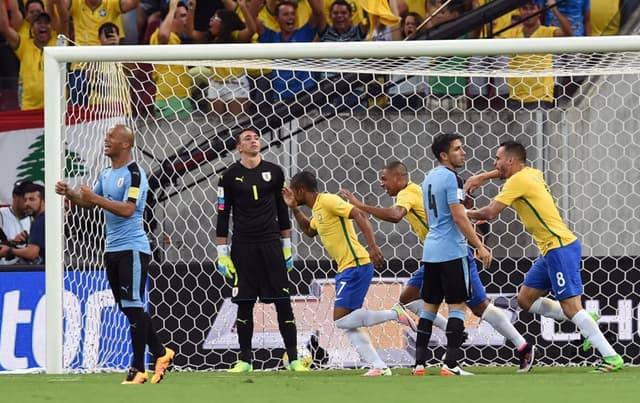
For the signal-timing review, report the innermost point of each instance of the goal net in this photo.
(341, 111)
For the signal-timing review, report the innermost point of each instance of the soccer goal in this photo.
(345, 111)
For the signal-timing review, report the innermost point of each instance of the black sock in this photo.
(425, 327)
(153, 341)
(244, 326)
(138, 329)
(455, 330)
(287, 325)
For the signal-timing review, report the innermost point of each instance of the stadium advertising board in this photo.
(96, 334)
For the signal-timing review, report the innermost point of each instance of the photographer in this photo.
(33, 252)
(14, 223)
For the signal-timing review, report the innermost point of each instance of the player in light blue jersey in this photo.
(446, 269)
(121, 192)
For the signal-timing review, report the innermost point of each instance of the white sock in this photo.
(440, 322)
(365, 318)
(590, 331)
(416, 307)
(497, 318)
(547, 307)
(360, 340)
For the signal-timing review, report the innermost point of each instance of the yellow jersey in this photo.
(527, 192)
(411, 199)
(605, 17)
(330, 218)
(531, 89)
(498, 24)
(172, 80)
(31, 75)
(86, 20)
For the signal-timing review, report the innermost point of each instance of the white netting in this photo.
(348, 119)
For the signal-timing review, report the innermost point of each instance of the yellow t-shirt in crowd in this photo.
(498, 24)
(528, 193)
(531, 89)
(330, 218)
(172, 80)
(411, 199)
(31, 75)
(605, 17)
(86, 20)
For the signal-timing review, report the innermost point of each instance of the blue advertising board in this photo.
(96, 334)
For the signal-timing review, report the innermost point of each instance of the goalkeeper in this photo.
(260, 255)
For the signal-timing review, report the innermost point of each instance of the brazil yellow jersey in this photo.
(411, 199)
(31, 75)
(330, 218)
(527, 192)
(531, 89)
(498, 24)
(417, 6)
(86, 20)
(172, 80)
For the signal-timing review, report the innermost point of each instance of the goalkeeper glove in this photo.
(286, 250)
(225, 264)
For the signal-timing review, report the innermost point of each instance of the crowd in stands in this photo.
(26, 26)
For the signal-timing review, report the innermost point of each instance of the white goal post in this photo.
(561, 156)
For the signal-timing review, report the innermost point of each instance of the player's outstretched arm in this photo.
(478, 180)
(463, 223)
(488, 212)
(391, 214)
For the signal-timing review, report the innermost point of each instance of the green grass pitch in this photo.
(491, 384)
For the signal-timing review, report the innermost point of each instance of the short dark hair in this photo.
(516, 149)
(305, 180)
(29, 2)
(396, 166)
(33, 187)
(18, 187)
(286, 3)
(247, 129)
(340, 3)
(442, 143)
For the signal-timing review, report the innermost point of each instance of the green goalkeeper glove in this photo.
(225, 264)
(286, 250)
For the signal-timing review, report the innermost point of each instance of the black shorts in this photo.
(446, 280)
(127, 275)
(262, 272)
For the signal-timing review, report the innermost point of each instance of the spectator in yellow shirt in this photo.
(88, 16)
(29, 52)
(172, 80)
(533, 91)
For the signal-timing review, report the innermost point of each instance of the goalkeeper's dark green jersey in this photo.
(254, 198)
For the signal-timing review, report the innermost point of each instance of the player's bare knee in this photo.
(524, 301)
(409, 294)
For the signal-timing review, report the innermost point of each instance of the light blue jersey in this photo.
(445, 241)
(128, 183)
